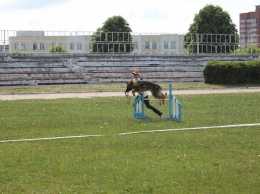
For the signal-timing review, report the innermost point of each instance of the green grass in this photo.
(197, 161)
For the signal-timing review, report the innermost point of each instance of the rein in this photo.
(128, 97)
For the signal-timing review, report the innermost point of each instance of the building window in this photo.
(19, 46)
(147, 45)
(135, 44)
(72, 46)
(16, 46)
(173, 44)
(166, 45)
(79, 46)
(23, 46)
(35, 46)
(154, 45)
(252, 20)
(38, 46)
(41, 46)
(169, 45)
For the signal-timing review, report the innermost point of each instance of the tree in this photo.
(113, 36)
(212, 31)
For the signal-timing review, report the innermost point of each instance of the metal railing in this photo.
(12, 41)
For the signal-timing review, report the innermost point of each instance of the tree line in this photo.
(209, 20)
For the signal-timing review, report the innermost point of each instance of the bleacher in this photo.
(49, 71)
(159, 74)
(32, 69)
(37, 73)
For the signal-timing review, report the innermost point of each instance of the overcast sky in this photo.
(151, 16)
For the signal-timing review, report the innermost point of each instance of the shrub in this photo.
(58, 49)
(226, 72)
(247, 49)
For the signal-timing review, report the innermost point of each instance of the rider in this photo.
(136, 74)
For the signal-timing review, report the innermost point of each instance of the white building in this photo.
(41, 42)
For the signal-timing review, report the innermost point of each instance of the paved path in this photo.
(113, 94)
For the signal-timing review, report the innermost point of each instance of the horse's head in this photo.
(129, 86)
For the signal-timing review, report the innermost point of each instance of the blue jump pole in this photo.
(175, 107)
(139, 108)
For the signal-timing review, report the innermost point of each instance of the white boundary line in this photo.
(136, 132)
(49, 138)
(193, 128)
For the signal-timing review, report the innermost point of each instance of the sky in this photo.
(143, 16)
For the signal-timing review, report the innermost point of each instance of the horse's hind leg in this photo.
(163, 100)
(163, 97)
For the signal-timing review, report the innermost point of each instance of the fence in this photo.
(12, 41)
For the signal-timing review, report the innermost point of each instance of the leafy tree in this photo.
(113, 36)
(212, 31)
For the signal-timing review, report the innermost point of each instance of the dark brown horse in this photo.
(142, 86)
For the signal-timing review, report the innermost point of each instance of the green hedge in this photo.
(227, 72)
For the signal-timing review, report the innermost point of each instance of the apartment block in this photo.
(250, 27)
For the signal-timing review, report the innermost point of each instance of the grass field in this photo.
(225, 160)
